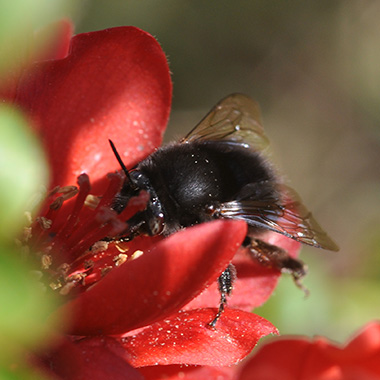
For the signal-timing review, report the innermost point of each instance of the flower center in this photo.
(75, 237)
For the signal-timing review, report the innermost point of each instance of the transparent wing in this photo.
(236, 118)
(287, 216)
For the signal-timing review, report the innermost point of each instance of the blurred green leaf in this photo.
(23, 171)
(25, 306)
(21, 372)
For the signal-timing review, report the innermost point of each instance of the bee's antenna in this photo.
(120, 161)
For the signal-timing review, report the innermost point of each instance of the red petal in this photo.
(182, 372)
(361, 356)
(157, 283)
(185, 338)
(281, 359)
(91, 360)
(365, 343)
(110, 346)
(114, 84)
(288, 359)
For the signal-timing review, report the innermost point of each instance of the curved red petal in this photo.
(306, 359)
(280, 359)
(365, 343)
(185, 338)
(157, 283)
(360, 357)
(114, 84)
(91, 360)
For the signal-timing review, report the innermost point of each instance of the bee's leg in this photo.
(225, 282)
(272, 256)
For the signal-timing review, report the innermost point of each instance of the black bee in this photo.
(219, 171)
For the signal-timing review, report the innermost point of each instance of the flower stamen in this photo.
(71, 246)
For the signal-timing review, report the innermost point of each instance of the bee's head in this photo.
(149, 221)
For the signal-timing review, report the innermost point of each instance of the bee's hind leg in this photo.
(225, 283)
(272, 256)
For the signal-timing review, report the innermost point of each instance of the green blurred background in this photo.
(315, 69)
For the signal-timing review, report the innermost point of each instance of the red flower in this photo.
(127, 311)
(318, 359)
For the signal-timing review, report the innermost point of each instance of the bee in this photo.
(220, 171)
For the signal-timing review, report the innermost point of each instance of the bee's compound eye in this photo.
(157, 224)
